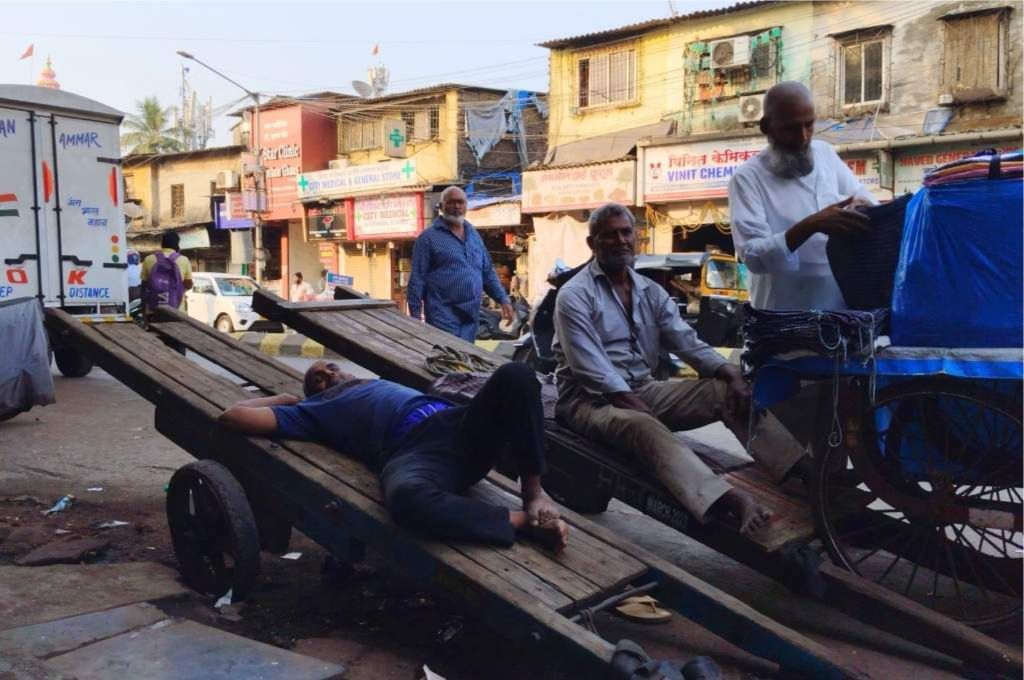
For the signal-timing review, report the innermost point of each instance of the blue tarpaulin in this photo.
(959, 282)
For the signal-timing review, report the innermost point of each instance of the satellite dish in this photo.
(362, 89)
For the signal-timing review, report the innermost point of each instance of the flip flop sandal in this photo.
(642, 609)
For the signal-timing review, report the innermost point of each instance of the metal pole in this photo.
(257, 218)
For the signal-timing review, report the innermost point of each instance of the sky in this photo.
(120, 52)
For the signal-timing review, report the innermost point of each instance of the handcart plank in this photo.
(333, 505)
(596, 470)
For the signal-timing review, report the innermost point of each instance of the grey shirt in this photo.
(598, 348)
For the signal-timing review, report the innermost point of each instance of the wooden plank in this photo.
(607, 566)
(348, 324)
(525, 580)
(722, 613)
(434, 336)
(395, 334)
(166, 313)
(336, 305)
(792, 521)
(260, 374)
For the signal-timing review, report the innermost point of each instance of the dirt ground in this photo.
(370, 618)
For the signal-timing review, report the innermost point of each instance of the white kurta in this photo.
(763, 206)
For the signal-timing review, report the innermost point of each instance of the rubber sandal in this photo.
(642, 609)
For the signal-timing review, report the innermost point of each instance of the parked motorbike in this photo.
(492, 327)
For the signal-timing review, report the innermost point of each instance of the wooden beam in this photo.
(267, 303)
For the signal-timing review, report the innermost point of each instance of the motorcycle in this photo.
(491, 326)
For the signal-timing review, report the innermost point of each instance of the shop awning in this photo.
(610, 147)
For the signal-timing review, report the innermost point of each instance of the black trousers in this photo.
(440, 458)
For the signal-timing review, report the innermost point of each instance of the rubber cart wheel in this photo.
(213, 530)
(886, 508)
(72, 363)
(223, 324)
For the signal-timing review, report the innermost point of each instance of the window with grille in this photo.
(974, 64)
(177, 201)
(607, 79)
(358, 134)
(863, 68)
(421, 125)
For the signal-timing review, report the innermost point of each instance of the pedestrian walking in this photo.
(451, 270)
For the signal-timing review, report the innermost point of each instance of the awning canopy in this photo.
(610, 147)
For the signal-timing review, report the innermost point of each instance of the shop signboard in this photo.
(508, 214)
(326, 223)
(387, 217)
(339, 279)
(394, 138)
(194, 238)
(685, 172)
(231, 213)
(356, 178)
(867, 168)
(281, 157)
(579, 188)
(913, 164)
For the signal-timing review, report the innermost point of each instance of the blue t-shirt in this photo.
(362, 420)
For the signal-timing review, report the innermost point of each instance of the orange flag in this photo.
(28, 53)
(376, 49)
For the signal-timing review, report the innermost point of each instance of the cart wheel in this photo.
(213, 530)
(928, 502)
(71, 363)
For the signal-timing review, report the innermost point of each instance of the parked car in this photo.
(225, 302)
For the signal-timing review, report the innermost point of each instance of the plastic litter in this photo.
(95, 488)
(224, 600)
(450, 630)
(61, 531)
(291, 556)
(112, 524)
(430, 675)
(61, 505)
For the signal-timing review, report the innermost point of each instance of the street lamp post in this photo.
(257, 219)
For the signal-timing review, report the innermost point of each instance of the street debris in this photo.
(224, 600)
(112, 524)
(71, 550)
(61, 531)
(61, 505)
(429, 674)
(451, 629)
(291, 556)
(95, 488)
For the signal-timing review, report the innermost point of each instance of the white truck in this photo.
(62, 227)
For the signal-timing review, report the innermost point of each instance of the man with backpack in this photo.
(166, 275)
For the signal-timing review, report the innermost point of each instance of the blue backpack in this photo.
(165, 285)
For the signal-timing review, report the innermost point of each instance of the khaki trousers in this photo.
(678, 405)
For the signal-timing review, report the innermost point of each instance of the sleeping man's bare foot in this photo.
(540, 507)
(550, 530)
(751, 515)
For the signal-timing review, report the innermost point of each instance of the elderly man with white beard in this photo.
(784, 204)
(451, 270)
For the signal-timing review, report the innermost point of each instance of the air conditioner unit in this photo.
(730, 53)
(227, 179)
(337, 164)
(751, 108)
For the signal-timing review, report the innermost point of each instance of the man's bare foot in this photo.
(540, 508)
(751, 515)
(553, 533)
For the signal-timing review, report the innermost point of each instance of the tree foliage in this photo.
(148, 131)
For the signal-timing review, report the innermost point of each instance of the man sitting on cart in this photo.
(426, 450)
(611, 325)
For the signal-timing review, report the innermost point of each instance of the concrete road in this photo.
(100, 434)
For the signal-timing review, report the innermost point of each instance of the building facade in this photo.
(899, 88)
(180, 192)
(396, 153)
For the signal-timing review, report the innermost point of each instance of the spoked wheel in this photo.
(213, 530)
(928, 502)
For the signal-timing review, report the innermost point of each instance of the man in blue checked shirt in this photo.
(451, 270)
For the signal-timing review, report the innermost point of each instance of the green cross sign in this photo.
(407, 169)
(303, 182)
(396, 137)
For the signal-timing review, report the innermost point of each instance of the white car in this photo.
(225, 302)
